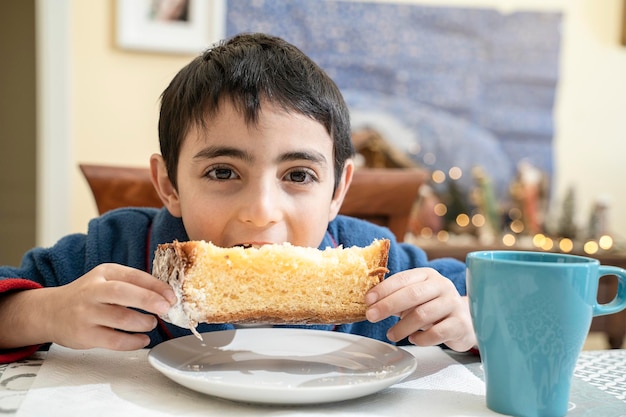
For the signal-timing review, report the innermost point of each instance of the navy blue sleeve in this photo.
(54, 266)
(119, 236)
(406, 256)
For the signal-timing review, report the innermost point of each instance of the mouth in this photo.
(251, 245)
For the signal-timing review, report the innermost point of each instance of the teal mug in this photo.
(531, 313)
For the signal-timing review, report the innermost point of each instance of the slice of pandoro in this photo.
(272, 284)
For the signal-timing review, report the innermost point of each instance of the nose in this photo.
(262, 203)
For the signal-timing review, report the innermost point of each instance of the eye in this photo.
(221, 174)
(303, 176)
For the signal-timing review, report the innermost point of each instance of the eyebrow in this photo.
(220, 151)
(308, 155)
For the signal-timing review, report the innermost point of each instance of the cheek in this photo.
(203, 220)
(310, 221)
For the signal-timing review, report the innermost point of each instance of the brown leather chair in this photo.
(382, 196)
(118, 186)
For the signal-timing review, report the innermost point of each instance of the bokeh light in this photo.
(478, 220)
(508, 240)
(517, 226)
(590, 247)
(443, 236)
(438, 176)
(455, 173)
(539, 239)
(440, 209)
(462, 220)
(566, 245)
(605, 242)
(426, 232)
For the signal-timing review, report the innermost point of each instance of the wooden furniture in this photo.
(116, 186)
(613, 325)
(382, 196)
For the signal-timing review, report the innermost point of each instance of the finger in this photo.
(446, 332)
(129, 295)
(394, 283)
(116, 272)
(405, 298)
(117, 340)
(126, 319)
(97, 336)
(420, 318)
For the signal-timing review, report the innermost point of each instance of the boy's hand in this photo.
(431, 310)
(96, 310)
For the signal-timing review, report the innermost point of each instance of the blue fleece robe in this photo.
(130, 236)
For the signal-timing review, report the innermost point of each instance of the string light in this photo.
(517, 226)
(590, 247)
(462, 220)
(517, 234)
(455, 173)
(539, 239)
(440, 209)
(443, 236)
(438, 176)
(426, 232)
(478, 220)
(542, 241)
(508, 240)
(605, 242)
(566, 245)
(548, 244)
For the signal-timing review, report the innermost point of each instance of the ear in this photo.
(342, 189)
(163, 185)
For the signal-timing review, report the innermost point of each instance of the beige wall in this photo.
(114, 100)
(591, 108)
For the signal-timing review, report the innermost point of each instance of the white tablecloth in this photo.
(99, 382)
(64, 382)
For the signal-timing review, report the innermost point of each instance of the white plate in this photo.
(282, 366)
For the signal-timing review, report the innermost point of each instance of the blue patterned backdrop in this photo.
(469, 86)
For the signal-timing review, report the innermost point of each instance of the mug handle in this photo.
(618, 303)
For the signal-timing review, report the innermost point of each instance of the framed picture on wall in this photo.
(169, 26)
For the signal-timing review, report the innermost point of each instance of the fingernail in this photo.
(162, 307)
(370, 298)
(372, 315)
(170, 296)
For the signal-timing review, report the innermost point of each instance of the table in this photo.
(96, 382)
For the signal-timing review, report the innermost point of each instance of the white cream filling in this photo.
(177, 314)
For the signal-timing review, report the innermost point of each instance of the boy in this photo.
(255, 149)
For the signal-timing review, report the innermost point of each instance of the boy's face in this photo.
(269, 182)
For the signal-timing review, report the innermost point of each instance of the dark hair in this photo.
(249, 69)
